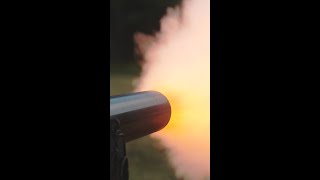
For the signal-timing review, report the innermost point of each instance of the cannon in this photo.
(133, 116)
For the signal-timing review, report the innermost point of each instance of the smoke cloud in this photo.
(176, 62)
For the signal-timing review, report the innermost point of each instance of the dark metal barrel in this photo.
(141, 113)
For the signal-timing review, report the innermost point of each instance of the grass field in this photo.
(147, 160)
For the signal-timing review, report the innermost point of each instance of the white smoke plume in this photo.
(177, 64)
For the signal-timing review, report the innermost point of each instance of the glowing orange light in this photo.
(177, 64)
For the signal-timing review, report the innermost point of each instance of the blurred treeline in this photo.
(130, 16)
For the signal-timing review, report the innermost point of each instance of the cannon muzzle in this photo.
(140, 114)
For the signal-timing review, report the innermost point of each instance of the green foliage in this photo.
(146, 162)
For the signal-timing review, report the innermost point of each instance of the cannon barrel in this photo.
(140, 114)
